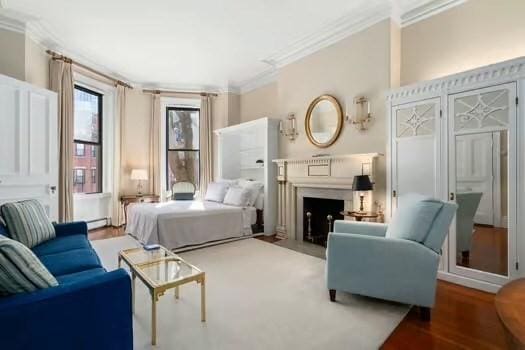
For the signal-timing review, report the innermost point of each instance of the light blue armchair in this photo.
(395, 262)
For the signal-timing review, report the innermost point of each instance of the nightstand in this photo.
(359, 216)
(135, 198)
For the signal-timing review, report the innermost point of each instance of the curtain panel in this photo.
(119, 137)
(154, 146)
(206, 151)
(61, 81)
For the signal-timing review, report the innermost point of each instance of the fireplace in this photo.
(318, 218)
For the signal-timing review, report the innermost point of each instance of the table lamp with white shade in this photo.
(139, 175)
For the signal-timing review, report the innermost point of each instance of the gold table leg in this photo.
(154, 299)
(203, 299)
(177, 292)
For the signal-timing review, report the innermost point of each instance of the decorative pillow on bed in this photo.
(216, 191)
(254, 188)
(238, 196)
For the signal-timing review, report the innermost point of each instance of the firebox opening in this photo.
(318, 218)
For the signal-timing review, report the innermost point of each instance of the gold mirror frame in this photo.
(340, 120)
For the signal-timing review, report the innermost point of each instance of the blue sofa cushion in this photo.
(27, 222)
(80, 276)
(21, 271)
(414, 217)
(71, 261)
(62, 244)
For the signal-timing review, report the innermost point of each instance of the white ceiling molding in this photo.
(428, 10)
(405, 12)
(260, 80)
(330, 34)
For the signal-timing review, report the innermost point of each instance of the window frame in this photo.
(99, 143)
(168, 149)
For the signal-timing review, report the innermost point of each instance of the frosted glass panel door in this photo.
(482, 181)
(415, 149)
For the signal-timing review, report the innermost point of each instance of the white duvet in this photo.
(176, 224)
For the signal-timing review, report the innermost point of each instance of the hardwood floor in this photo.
(462, 318)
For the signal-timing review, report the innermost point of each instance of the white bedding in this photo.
(176, 224)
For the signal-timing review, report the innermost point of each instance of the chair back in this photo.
(440, 227)
(183, 191)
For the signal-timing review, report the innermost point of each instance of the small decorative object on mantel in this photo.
(362, 116)
(260, 163)
(287, 127)
(321, 155)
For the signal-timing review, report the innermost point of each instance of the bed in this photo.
(177, 224)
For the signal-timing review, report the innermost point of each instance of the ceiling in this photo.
(207, 44)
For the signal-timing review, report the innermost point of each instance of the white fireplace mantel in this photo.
(326, 172)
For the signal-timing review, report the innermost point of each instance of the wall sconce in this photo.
(362, 116)
(287, 127)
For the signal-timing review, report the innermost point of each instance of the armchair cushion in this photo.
(414, 217)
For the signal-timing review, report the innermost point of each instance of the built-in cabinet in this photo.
(28, 144)
(462, 139)
(246, 151)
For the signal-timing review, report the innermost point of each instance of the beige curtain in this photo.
(154, 146)
(120, 116)
(61, 81)
(206, 143)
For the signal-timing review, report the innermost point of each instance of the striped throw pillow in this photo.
(20, 269)
(27, 222)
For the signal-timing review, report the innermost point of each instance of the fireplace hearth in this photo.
(319, 215)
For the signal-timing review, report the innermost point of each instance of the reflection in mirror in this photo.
(481, 195)
(324, 121)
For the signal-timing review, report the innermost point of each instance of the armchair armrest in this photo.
(360, 228)
(94, 313)
(71, 228)
(386, 268)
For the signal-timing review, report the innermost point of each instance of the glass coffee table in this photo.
(161, 270)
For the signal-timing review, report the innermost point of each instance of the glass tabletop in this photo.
(140, 255)
(168, 270)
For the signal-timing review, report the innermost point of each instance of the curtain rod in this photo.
(158, 92)
(57, 56)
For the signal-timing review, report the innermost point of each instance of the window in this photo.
(80, 150)
(182, 146)
(88, 141)
(79, 179)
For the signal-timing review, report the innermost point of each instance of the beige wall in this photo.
(36, 64)
(259, 103)
(366, 63)
(12, 54)
(471, 35)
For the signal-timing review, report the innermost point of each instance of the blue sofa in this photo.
(89, 309)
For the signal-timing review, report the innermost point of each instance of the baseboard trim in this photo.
(468, 282)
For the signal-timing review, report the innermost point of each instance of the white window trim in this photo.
(166, 102)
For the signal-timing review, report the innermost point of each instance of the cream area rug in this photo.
(259, 296)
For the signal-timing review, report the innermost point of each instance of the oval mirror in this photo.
(324, 121)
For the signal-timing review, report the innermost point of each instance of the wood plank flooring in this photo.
(462, 318)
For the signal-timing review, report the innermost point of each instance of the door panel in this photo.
(482, 158)
(28, 144)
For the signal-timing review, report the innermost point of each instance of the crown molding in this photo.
(10, 24)
(505, 71)
(428, 10)
(266, 77)
(329, 34)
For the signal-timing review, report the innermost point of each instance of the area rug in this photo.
(259, 296)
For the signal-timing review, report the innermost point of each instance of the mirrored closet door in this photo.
(482, 181)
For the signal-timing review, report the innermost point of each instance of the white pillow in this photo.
(238, 196)
(216, 191)
(254, 188)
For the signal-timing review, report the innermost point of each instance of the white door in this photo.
(482, 181)
(416, 149)
(28, 144)
(477, 162)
